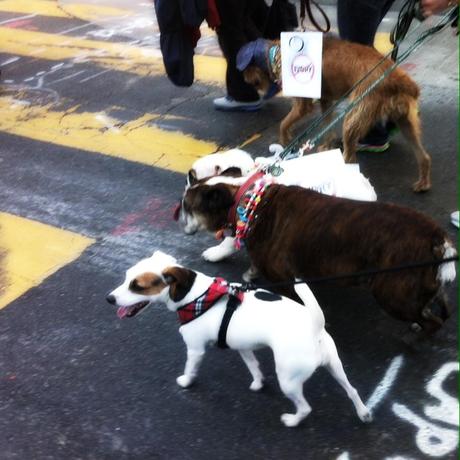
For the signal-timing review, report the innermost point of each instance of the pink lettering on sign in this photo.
(302, 69)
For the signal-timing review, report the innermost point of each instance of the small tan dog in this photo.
(344, 64)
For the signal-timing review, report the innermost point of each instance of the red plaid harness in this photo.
(218, 289)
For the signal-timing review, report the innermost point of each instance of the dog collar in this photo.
(232, 214)
(218, 289)
(247, 211)
(274, 63)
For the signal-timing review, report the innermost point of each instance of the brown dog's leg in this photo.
(355, 126)
(329, 138)
(300, 108)
(410, 128)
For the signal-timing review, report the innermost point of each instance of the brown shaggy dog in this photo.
(299, 233)
(344, 64)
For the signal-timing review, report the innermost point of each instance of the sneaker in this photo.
(373, 148)
(228, 104)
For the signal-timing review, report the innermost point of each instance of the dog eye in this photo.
(134, 286)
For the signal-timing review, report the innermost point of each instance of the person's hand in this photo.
(429, 7)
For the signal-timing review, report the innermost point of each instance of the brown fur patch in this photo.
(180, 281)
(147, 284)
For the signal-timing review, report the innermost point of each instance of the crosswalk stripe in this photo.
(137, 140)
(141, 61)
(24, 263)
(53, 9)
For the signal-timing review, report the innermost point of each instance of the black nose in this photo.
(111, 299)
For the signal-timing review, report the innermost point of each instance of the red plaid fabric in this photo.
(205, 301)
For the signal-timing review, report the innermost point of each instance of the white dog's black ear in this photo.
(233, 171)
(191, 178)
(180, 281)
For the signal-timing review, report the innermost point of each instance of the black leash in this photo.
(305, 5)
(365, 273)
(234, 302)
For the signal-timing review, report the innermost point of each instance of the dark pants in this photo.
(358, 21)
(241, 22)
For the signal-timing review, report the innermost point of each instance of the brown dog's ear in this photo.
(180, 281)
(216, 198)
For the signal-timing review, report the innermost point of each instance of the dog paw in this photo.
(365, 415)
(422, 185)
(290, 420)
(256, 385)
(184, 381)
(213, 254)
(250, 274)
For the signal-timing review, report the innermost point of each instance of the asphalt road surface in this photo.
(94, 143)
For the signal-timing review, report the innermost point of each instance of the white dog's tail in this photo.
(446, 272)
(309, 300)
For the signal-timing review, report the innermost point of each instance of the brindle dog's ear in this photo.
(191, 177)
(217, 197)
(180, 281)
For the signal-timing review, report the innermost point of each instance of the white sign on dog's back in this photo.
(301, 63)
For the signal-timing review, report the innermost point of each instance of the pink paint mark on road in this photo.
(21, 23)
(156, 214)
(408, 66)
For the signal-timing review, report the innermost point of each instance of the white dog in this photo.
(325, 172)
(295, 332)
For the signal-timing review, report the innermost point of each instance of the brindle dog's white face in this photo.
(205, 205)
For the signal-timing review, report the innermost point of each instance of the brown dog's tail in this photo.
(446, 271)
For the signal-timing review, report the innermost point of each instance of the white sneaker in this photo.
(228, 104)
(454, 218)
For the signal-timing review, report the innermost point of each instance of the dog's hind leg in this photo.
(292, 387)
(300, 108)
(253, 365)
(335, 367)
(410, 128)
(356, 125)
(329, 139)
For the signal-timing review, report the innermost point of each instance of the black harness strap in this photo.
(232, 304)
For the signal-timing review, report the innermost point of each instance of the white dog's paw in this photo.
(290, 420)
(214, 254)
(365, 415)
(256, 385)
(184, 381)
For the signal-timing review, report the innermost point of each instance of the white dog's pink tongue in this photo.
(122, 312)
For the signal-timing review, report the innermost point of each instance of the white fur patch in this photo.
(446, 272)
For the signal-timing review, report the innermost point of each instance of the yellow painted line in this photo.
(138, 140)
(116, 56)
(91, 13)
(52, 8)
(30, 252)
(251, 139)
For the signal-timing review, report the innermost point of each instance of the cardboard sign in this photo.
(301, 63)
